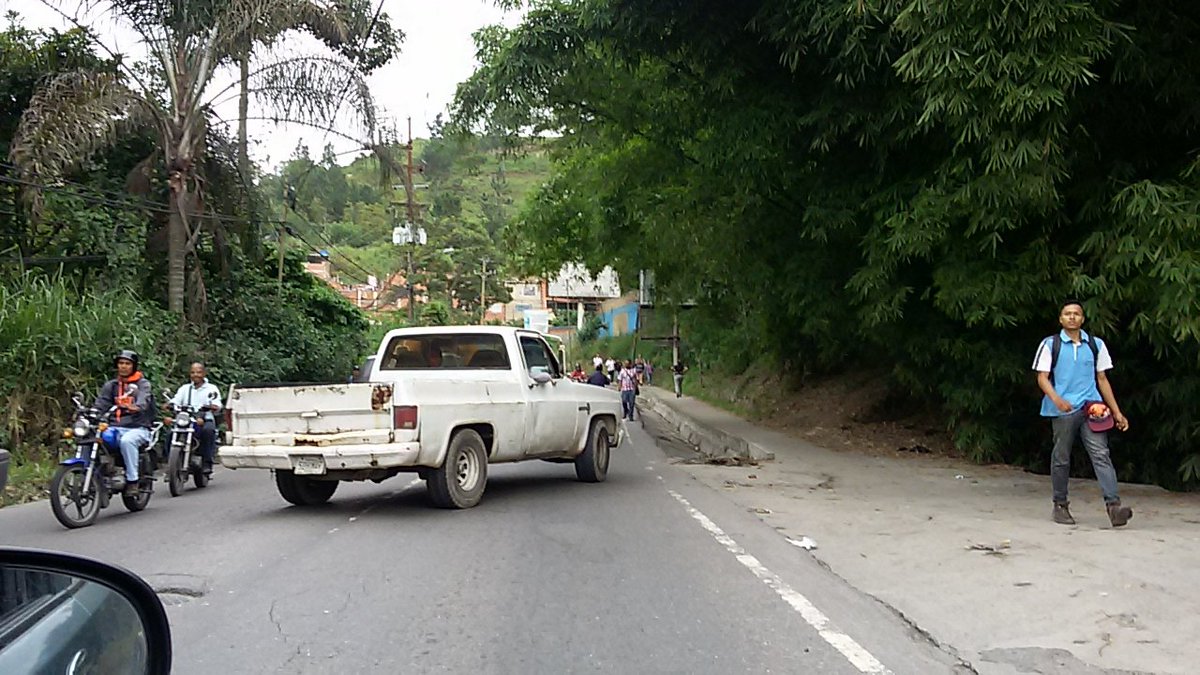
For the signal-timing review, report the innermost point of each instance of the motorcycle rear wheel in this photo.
(199, 477)
(142, 499)
(74, 504)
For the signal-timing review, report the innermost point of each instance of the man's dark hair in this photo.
(1069, 301)
(599, 368)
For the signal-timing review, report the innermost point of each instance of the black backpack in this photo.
(1056, 347)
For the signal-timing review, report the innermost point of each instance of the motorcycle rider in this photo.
(202, 395)
(130, 392)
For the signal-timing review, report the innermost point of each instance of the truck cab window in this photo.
(539, 358)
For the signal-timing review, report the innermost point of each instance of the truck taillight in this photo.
(404, 417)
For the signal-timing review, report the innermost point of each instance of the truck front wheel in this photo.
(591, 466)
(302, 490)
(458, 483)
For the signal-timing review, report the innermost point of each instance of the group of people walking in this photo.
(629, 376)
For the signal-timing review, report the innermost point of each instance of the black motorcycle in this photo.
(84, 484)
(183, 454)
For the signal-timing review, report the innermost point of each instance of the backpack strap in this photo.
(1055, 348)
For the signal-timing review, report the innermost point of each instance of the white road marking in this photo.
(855, 653)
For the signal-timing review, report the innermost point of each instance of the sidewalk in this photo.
(969, 554)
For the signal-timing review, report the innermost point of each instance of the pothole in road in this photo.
(176, 589)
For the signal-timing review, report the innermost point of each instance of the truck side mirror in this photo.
(541, 377)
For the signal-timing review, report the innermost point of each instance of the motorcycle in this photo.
(84, 484)
(183, 456)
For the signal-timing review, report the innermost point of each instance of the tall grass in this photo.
(56, 339)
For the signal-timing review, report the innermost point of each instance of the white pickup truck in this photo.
(442, 402)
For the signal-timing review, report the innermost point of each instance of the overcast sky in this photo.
(437, 54)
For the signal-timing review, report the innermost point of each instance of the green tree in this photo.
(910, 187)
(77, 113)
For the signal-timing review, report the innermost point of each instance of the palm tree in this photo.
(78, 113)
(347, 27)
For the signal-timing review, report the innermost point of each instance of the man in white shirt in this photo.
(203, 396)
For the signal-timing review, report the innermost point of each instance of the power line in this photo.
(123, 203)
(320, 234)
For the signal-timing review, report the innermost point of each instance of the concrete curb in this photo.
(710, 442)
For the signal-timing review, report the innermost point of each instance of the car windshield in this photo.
(446, 352)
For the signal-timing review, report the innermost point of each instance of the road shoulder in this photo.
(969, 555)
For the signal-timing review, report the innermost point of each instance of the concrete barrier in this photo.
(710, 442)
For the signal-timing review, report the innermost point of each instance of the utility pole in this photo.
(675, 339)
(483, 272)
(289, 199)
(411, 202)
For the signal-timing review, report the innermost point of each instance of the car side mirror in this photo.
(542, 377)
(65, 613)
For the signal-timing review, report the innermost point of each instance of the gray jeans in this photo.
(678, 384)
(1066, 428)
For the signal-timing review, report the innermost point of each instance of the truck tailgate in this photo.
(313, 415)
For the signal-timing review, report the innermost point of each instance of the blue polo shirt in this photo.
(1075, 372)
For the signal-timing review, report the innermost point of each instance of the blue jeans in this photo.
(131, 440)
(628, 401)
(1066, 428)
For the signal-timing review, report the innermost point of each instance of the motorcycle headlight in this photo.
(183, 419)
(82, 428)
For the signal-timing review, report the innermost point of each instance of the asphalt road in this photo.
(649, 572)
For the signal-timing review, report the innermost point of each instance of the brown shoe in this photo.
(1062, 514)
(131, 489)
(1117, 514)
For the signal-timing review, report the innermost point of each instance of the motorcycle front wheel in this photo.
(75, 504)
(177, 473)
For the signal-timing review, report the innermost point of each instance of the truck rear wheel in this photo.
(459, 482)
(302, 490)
(591, 466)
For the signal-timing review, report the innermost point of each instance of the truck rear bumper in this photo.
(344, 458)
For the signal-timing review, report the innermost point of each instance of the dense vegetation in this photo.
(84, 249)
(472, 189)
(912, 186)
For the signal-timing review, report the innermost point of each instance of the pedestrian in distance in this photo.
(677, 372)
(597, 360)
(627, 380)
(1072, 372)
(598, 377)
(610, 367)
(639, 367)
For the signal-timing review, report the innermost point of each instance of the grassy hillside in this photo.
(468, 191)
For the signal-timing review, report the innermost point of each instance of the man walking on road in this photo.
(1072, 370)
(677, 371)
(628, 382)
